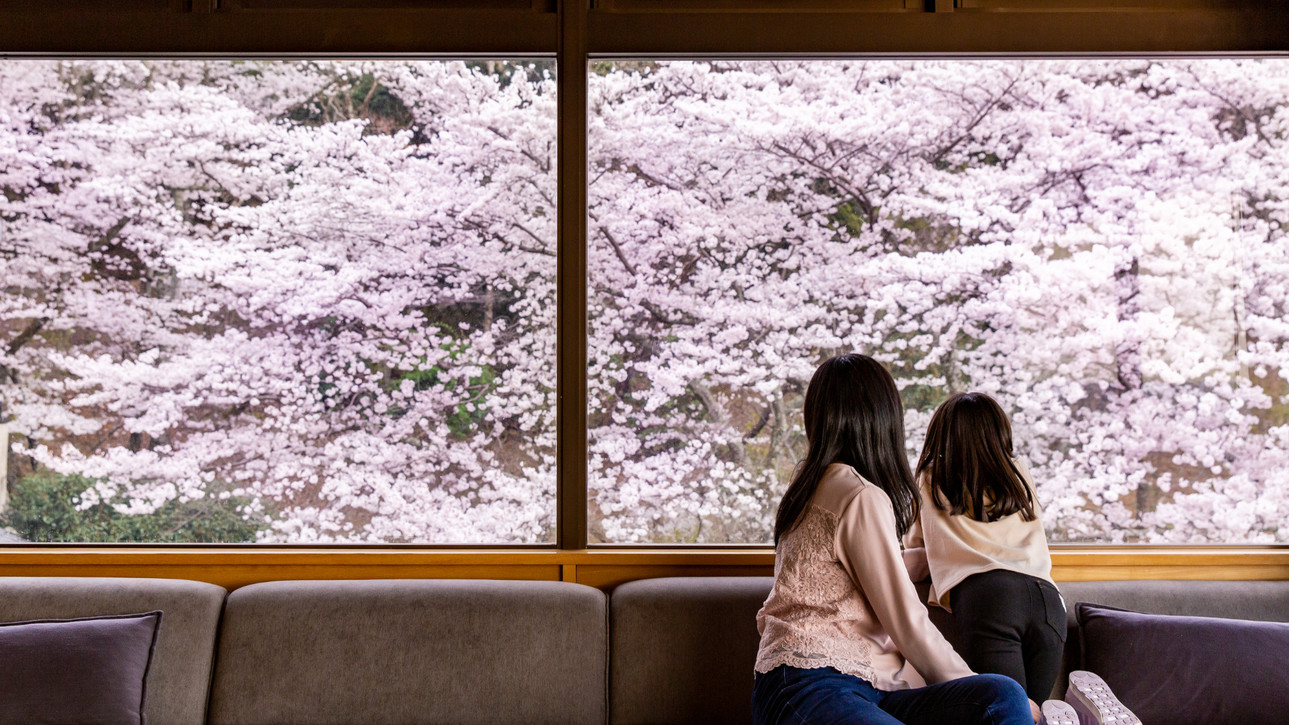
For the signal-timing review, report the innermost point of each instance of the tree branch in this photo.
(718, 415)
(25, 336)
(618, 251)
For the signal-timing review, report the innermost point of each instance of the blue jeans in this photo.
(796, 696)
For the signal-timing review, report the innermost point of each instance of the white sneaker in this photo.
(1056, 712)
(1095, 703)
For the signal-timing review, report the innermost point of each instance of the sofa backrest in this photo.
(179, 677)
(396, 651)
(681, 649)
(1265, 601)
(655, 651)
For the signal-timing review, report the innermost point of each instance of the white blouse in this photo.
(959, 546)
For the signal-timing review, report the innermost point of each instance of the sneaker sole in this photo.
(1056, 712)
(1095, 703)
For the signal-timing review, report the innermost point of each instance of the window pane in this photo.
(280, 301)
(1100, 244)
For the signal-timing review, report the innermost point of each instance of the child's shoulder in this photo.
(1025, 475)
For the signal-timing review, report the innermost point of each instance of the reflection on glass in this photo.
(1100, 244)
(278, 301)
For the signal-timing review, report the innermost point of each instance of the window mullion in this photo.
(571, 490)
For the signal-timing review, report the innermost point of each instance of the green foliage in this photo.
(471, 408)
(505, 72)
(43, 507)
(923, 397)
(928, 234)
(846, 218)
(463, 419)
(354, 97)
(642, 67)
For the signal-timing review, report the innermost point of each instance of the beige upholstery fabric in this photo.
(411, 651)
(682, 649)
(1257, 600)
(178, 681)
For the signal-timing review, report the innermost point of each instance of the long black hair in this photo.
(853, 416)
(968, 459)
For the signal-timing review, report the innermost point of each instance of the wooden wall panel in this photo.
(235, 567)
(869, 6)
(278, 31)
(369, 6)
(759, 6)
(1107, 5)
(644, 27)
(61, 6)
(1247, 30)
(605, 569)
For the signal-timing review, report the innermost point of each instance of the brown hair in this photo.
(967, 459)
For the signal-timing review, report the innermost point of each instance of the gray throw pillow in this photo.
(90, 670)
(1172, 670)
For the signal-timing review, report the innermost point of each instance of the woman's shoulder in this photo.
(841, 485)
(841, 475)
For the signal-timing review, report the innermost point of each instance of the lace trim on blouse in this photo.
(810, 617)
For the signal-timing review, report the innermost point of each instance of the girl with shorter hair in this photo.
(980, 533)
(844, 636)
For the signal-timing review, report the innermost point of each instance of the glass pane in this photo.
(279, 301)
(1100, 244)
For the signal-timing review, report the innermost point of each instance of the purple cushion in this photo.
(1172, 670)
(89, 670)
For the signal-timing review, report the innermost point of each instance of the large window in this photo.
(1100, 244)
(278, 301)
(271, 274)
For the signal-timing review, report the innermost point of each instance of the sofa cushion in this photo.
(682, 649)
(1254, 600)
(412, 651)
(1176, 670)
(93, 669)
(179, 676)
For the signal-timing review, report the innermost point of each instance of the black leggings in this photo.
(1011, 624)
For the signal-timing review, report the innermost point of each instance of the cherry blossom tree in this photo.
(325, 290)
(249, 280)
(1097, 243)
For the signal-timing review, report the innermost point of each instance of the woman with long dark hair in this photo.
(844, 637)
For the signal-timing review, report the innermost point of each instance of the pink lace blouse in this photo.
(842, 597)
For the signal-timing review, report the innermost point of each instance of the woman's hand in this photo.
(1033, 710)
